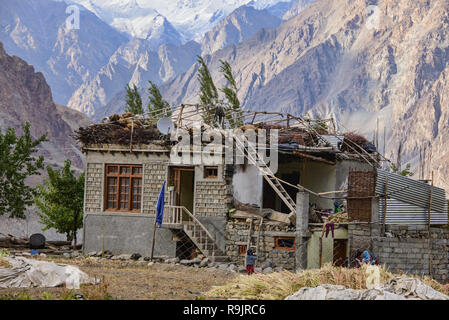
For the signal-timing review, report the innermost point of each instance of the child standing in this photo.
(251, 257)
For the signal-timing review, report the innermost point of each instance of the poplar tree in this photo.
(156, 102)
(236, 117)
(208, 91)
(133, 100)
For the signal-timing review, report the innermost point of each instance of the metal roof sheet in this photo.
(411, 191)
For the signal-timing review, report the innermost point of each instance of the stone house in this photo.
(218, 210)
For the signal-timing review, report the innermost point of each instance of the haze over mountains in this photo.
(360, 61)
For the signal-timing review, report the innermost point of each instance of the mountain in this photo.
(338, 58)
(36, 31)
(238, 26)
(135, 63)
(192, 18)
(138, 22)
(26, 97)
(296, 7)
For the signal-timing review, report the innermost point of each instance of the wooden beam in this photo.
(305, 155)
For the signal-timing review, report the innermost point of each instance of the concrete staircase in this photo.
(196, 232)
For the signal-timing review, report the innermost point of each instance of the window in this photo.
(123, 187)
(210, 172)
(284, 243)
(242, 250)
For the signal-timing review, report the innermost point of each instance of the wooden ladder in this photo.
(265, 170)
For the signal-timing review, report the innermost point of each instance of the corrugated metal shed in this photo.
(404, 213)
(409, 200)
(334, 141)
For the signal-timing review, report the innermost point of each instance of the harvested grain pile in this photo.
(280, 285)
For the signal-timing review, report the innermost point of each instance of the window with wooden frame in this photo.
(210, 172)
(284, 243)
(123, 187)
(242, 250)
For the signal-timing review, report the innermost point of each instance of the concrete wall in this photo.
(126, 233)
(313, 247)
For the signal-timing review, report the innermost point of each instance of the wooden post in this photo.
(102, 245)
(258, 235)
(385, 206)
(321, 250)
(430, 205)
(249, 239)
(154, 238)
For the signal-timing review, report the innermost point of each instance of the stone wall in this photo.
(237, 234)
(213, 197)
(409, 249)
(154, 175)
(93, 187)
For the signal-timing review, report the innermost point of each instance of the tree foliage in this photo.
(236, 117)
(133, 100)
(16, 164)
(403, 172)
(156, 102)
(208, 91)
(60, 201)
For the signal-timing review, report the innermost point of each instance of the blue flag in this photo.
(160, 206)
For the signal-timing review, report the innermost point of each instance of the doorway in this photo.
(340, 249)
(182, 186)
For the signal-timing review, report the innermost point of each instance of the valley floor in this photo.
(130, 280)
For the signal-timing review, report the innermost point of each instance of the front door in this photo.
(340, 249)
(182, 181)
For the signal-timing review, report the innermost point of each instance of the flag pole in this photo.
(154, 238)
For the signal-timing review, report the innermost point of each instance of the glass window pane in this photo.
(112, 169)
(124, 170)
(137, 170)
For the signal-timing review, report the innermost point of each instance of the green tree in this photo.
(16, 164)
(156, 102)
(403, 172)
(60, 201)
(236, 117)
(208, 91)
(133, 100)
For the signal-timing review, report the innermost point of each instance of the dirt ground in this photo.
(130, 280)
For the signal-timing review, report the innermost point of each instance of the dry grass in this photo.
(276, 286)
(4, 263)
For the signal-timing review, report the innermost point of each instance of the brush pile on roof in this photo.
(122, 130)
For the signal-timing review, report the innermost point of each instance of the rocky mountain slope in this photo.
(191, 18)
(354, 62)
(36, 31)
(135, 63)
(26, 97)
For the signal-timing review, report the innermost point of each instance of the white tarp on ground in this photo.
(27, 273)
(399, 288)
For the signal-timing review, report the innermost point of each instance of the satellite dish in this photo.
(165, 125)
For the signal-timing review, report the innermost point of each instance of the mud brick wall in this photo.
(237, 234)
(154, 175)
(93, 186)
(409, 249)
(213, 198)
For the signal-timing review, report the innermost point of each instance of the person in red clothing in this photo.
(251, 257)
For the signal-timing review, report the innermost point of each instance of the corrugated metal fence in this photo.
(408, 200)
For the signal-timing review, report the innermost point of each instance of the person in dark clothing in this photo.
(251, 257)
